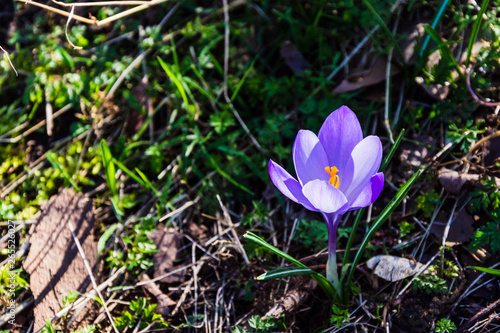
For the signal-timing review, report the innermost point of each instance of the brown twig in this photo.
(480, 314)
(482, 141)
(465, 159)
(142, 6)
(60, 12)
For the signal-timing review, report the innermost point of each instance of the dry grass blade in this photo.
(34, 128)
(71, 13)
(8, 59)
(227, 219)
(142, 5)
(102, 3)
(91, 275)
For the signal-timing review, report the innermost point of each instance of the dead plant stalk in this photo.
(141, 6)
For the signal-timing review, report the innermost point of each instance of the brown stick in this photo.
(482, 313)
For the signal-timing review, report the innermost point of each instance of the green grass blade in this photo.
(212, 161)
(350, 241)
(384, 164)
(387, 31)
(242, 81)
(320, 279)
(444, 50)
(285, 272)
(486, 270)
(475, 30)
(52, 158)
(109, 167)
(403, 191)
(104, 238)
(394, 147)
(256, 239)
(147, 182)
(175, 79)
(225, 174)
(129, 172)
(437, 18)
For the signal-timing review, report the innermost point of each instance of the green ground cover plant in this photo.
(166, 117)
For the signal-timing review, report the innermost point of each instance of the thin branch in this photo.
(61, 12)
(144, 5)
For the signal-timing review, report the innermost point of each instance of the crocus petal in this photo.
(309, 157)
(288, 185)
(340, 133)
(369, 193)
(324, 196)
(363, 164)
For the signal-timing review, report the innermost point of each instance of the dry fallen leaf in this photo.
(168, 242)
(54, 263)
(293, 58)
(452, 181)
(375, 75)
(163, 300)
(197, 231)
(392, 268)
(492, 151)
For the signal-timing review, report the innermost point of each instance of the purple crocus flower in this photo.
(336, 171)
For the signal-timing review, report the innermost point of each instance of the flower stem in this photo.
(331, 265)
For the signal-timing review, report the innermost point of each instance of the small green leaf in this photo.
(240, 84)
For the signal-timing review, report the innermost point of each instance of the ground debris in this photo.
(413, 155)
(453, 181)
(393, 268)
(197, 231)
(163, 300)
(293, 58)
(460, 228)
(54, 264)
(376, 74)
(168, 242)
(291, 301)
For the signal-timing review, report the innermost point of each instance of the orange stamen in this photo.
(334, 178)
